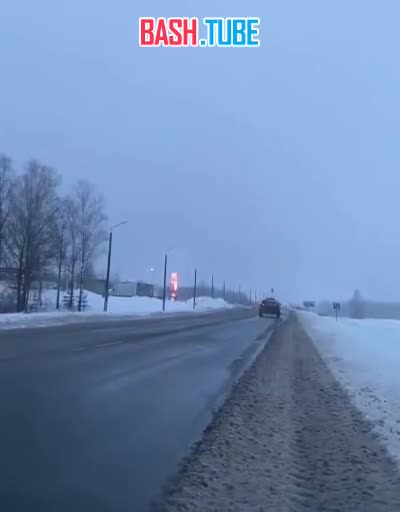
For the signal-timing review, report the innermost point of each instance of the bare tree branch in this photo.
(34, 206)
(6, 184)
(91, 217)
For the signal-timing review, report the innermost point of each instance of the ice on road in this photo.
(288, 439)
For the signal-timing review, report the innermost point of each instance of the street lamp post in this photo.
(106, 291)
(165, 282)
(168, 251)
(108, 272)
(195, 288)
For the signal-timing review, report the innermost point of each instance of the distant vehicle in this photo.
(269, 306)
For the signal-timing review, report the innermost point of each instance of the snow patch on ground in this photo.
(364, 355)
(118, 307)
(287, 439)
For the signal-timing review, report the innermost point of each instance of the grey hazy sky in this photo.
(276, 166)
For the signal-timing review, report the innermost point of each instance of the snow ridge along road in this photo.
(288, 439)
(119, 308)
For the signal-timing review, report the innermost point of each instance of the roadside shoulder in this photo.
(288, 438)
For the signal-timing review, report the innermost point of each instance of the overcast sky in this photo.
(272, 166)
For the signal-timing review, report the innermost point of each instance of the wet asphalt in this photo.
(97, 416)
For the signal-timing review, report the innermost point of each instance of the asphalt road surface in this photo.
(95, 417)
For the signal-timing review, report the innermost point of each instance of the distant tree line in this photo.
(356, 307)
(46, 234)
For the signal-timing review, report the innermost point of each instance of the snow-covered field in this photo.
(118, 307)
(364, 355)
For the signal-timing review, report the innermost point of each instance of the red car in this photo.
(269, 306)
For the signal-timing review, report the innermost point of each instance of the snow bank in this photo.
(137, 305)
(364, 355)
(118, 307)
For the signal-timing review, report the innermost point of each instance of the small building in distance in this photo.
(133, 289)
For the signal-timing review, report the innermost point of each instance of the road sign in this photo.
(336, 307)
(309, 304)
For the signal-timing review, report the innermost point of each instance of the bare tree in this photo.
(61, 242)
(357, 305)
(40, 232)
(74, 249)
(6, 182)
(33, 209)
(16, 241)
(90, 271)
(90, 221)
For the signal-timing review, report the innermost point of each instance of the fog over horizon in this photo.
(274, 167)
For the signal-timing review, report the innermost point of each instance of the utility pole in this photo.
(239, 294)
(250, 298)
(223, 291)
(106, 291)
(212, 286)
(165, 282)
(195, 288)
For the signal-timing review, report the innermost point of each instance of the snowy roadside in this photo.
(364, 356)
(289, 439)
(119, 308)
